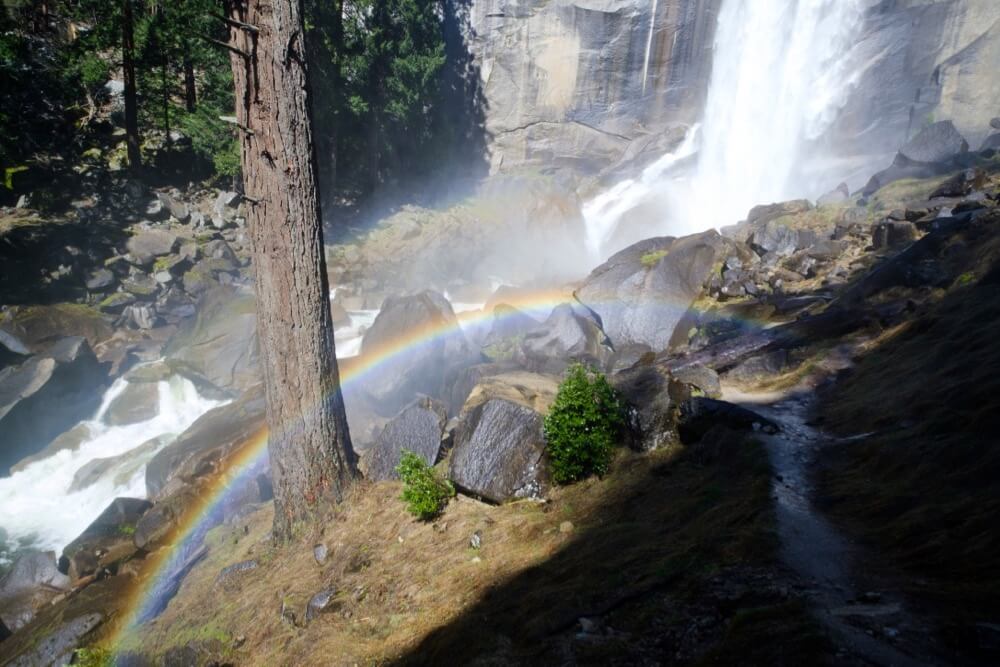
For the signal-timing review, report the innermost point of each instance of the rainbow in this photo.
(161, 576)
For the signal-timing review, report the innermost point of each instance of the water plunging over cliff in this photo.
(780, 75)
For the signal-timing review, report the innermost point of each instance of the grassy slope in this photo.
(648, 542)
(926, 487)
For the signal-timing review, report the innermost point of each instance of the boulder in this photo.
(532, 390)
(200, 449)
(701, 378)
(69, 441)
(68, 376)
(499, 450)
(838, 195)
(892, 234)
(177, 208)
(642, 293)
(12, 350)
(903, 168)
(138, 402)
(141, 285)
(418, 429)
(138, 316)
(467, 379)
(106, 541)
(775, 238)
(961, 184)
(37, 327)
(571, 333)
(174, 305)
(100, 280)
(506, 331)
(699, 414)
(117, 302)
(651, 401)
(32, 581)
(412, 368)
(765, 213)
(156, 526)
(123, 467)
(756, 368)
(991, 143)
(148, 244)
(218, 347)
(937, 142)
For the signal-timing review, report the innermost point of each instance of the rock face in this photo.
(31, 582)
(106, 541)
(422, 344)
(498, 452)
(579, 90)
(197, 451)
(651, 401)
(569, 334)
(643, 292)
(67, 375)
(219, 346)
(138, 402)
(418, 429)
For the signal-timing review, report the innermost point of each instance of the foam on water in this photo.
(38, 508)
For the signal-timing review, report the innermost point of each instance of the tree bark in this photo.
(132, 140)
(310, 448)
(190, 90)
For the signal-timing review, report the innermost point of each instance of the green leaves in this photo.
(425, 495)
(583, 426)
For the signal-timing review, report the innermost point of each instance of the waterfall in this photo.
(649, 46)
(39, 508)
(780, 75)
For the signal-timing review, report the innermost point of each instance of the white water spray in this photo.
(40, 511)
(781, 73)
(649, 46)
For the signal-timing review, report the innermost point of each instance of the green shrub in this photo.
(582, 426)
(425, 495)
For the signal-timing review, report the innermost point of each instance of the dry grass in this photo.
(413, 592)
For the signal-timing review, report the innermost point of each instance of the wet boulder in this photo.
(419, 428)
(765, 213)
(138, 402)
(642, 293)
(106, 541)
(570, 334)
(202, 447)
(67, 376)
(218, 347)
(937, 142)
(499, 452)
(700, 378)
(422, 346)
(37, 327)
(120, 468)
(507, 330)
(32, 581)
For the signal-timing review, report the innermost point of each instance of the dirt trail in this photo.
(867, 621)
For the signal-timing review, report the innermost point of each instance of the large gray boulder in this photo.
(651, 402)
(219, 346)
(106, 541)
(642, 293)
(419, 428)
(937, 142)
(148, 244)
(421, 344)
(119, 468)
(499, 451)
(45, 396)
(31, 582)
(199, 450)
(138, 402)
(571, 333)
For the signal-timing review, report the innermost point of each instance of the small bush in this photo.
(95, 656)
(425, 495)
(582, 426)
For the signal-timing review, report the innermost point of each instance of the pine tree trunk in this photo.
(310, 447)
(132, 140)
(190, 91)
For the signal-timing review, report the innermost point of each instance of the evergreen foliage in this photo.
(425, 495)
(583, 426)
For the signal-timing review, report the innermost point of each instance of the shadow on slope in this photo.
(925, 485)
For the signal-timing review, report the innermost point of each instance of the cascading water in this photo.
(44, 508)
(781, 72)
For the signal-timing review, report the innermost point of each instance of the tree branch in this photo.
(233, 23)
(227, 46)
